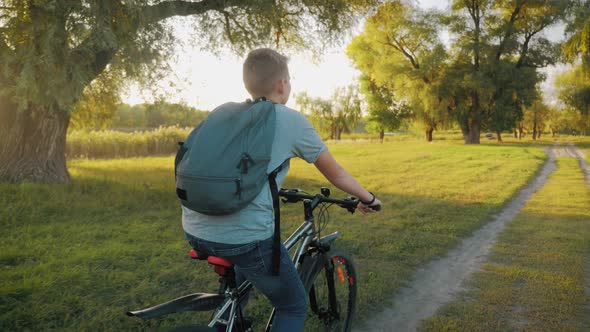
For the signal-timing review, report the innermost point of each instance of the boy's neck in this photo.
(272, 97)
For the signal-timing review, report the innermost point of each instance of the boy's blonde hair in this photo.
(262, 68)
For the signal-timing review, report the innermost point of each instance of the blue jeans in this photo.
(252, 261)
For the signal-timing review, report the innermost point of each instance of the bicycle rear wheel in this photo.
(332, 296)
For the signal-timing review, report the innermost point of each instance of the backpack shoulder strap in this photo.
(276, 243)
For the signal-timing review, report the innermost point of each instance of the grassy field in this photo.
(536, 276)
(75, 257)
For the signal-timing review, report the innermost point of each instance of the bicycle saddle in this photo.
(221, 264)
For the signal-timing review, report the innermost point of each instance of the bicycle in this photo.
(332, 299)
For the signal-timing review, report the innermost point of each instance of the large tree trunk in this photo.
(465, 130)
(499, 136)
(382, 135)
(520, 131)
(473, 125)
(473, 133)
(429, 131)
(515, 133)
(33, 144)
(339, 134)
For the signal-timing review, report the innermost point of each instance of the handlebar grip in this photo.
(375, 207)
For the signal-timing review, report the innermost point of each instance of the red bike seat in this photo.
(214, 260)
(221, 264)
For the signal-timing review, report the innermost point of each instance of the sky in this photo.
(203, 80)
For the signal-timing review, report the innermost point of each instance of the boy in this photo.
(245, 237)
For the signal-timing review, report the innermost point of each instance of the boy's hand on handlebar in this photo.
(373, 207)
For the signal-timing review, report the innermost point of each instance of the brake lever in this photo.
(350, 208)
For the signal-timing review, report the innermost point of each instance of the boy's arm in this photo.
(340, 178)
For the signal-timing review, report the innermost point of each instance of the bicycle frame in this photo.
(304, 235)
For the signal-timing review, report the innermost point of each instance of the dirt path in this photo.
(437, 282)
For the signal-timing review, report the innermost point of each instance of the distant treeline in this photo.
(156, 115)
(123, 117)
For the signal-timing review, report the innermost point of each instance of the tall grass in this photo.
(163, 141)
(116, 144)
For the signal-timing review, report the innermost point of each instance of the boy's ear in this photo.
(280, 86)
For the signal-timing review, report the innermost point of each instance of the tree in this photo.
(399, 50)
(319, 112)
(339, 114)
(52, 50)
(127, 116)
(346, 110)
(385, 113)
(536, 117)
(574, 91)
(497, 50)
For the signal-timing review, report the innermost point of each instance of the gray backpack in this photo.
(222, 165)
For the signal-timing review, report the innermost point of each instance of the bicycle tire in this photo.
(322, 316)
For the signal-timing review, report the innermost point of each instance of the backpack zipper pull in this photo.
(238, 188)
(244, 161)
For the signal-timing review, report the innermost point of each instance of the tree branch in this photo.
(525, 45)
(166, 9)
(508, 32)
(94, 53)
(399, 47)
(227, 27)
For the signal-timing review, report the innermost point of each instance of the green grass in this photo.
(75, 257)
(536, 275)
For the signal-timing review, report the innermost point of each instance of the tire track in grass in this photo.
(436, 283)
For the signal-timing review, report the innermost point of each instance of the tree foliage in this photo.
(497, 49)
(51, 51)
(574, 91)
(578, 28)
(385, 113)
(98, 104)
(482, 81)
(399, 51)
(333, 116)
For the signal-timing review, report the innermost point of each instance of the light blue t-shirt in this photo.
(294, 137)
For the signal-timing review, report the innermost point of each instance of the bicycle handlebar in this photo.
(296, 195)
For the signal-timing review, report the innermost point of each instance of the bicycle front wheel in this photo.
(332, 296)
